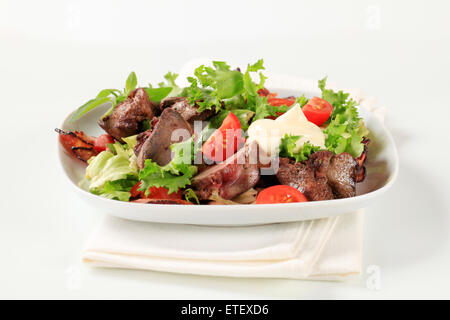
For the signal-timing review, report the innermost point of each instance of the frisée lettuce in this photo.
(345, 130)
(288, 148)
(176, 174)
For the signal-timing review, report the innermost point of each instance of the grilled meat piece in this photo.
(361, 169)
(302, 176)
(143, 136)
(342, 175)
(323, 176)
(127, 117)
(235, 175)
(157, 146)
(188, 112)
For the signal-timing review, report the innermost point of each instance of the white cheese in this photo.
(268, 133)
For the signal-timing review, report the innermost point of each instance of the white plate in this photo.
(382, 169)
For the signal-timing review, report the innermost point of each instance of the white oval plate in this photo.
(382, 169)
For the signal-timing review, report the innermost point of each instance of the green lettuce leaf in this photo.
(231, 90)
(191, 196)
(112, 173)
(263, 109)
(221, 87)
(302, 100)
(157, 94)
(250, 87)
(188, 151)
(131, 142)
(114, 96)
(345, 130)
(131, 83)
(288, 148)
(217, 83)
(173, 176)
(177, 174)
(117, 189)
(88, 106)
(108, 167)
(243, 115)
(254, 101)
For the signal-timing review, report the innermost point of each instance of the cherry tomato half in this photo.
(101, 142)
(281, 101)
(277, 102)
(280, 194)
(317, 110)
(224, 142)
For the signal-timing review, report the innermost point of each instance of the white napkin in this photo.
(324, 249)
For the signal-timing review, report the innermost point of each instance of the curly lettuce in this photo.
(225, 89)
(175, 175)
(288, 148)
(345, 130)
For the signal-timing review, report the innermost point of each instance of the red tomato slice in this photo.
(317, 110)
(102, 141)
(280, 102)
(280, 194)
(155, 193)
(224, 142)
(276, 102)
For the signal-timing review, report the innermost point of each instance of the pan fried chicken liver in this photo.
(235, 175)
(342, 175)
(158, 140)
(323, 176)
(126, 118)
(188, 112)
(302, 176)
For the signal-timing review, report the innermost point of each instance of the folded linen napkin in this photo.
(323, 249)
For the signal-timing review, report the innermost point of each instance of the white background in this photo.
(54, 55)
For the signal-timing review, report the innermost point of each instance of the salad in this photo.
(224, 139)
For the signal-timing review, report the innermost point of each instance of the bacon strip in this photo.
(361, 169)
(77, 144)
(162, 201)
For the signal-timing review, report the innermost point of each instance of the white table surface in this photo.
(53, 60)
